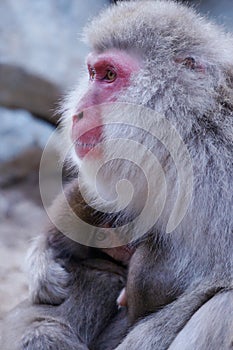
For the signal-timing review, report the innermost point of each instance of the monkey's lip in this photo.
(82, 148)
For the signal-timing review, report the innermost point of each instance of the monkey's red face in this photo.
(109, 74)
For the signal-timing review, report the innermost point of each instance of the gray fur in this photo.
(179, 286)
(88, 318)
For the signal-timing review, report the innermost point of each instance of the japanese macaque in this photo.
(156, 58)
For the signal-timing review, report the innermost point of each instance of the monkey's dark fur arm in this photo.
(88, 318)
(204, 323)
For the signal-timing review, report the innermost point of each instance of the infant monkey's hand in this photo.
(122, 299)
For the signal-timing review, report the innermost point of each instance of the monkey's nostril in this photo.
(77, 117)
(80, 115)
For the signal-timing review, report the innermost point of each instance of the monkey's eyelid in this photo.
(110, 74)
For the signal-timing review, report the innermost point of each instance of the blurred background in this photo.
(41, 57)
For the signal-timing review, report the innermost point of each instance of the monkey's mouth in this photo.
(87, 141)
(83, 148)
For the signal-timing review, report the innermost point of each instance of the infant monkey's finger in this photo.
(122, 299)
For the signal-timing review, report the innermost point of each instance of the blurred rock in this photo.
(22, 216)
(220, 11)
(20, 131)
(21, 219)
(22, 89)
(25, 167)
(43, 36)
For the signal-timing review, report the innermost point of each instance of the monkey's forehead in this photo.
(155, 27)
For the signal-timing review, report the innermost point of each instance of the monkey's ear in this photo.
(189, 62)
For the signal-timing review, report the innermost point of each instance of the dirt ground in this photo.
(21, 218)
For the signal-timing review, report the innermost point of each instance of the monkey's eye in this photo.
(92, 73)
(110, 75)
(189, 62)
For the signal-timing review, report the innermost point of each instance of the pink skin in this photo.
(122, 299)
(122, 253)
(86, 128)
